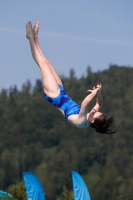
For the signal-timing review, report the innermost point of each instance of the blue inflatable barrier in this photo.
(4, 194)
(80, 189)
(34, 189)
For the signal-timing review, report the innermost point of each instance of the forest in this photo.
(35, 137)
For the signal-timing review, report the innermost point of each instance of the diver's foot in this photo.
(29, 32)
(36, 29)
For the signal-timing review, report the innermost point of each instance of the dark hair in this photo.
(103, 125)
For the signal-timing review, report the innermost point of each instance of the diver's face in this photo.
(97, 115)
(92, 116)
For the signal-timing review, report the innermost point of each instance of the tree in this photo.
(18, 191)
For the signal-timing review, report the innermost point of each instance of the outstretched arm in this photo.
(95, 92)
(99, 99)
(87, 100)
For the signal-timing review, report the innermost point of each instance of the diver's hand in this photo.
(99, 86)
(94, 90)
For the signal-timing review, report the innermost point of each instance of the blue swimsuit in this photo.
(64, 102)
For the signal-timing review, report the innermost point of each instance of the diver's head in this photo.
(102, 124)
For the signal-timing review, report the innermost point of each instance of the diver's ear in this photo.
(92, 121)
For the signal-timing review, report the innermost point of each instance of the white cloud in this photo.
(9, 30)
(88, 39)
(72, 37)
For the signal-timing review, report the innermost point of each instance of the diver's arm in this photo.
(87, 100)
(99, 101)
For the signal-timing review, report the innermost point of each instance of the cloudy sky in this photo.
(73, 34)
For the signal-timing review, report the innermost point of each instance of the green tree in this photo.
(18, 191)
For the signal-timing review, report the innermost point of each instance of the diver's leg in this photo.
(51, 87)
(35, 32)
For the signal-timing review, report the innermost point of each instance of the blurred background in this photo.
(87, 42)
(73, 34)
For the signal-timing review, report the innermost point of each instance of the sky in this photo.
(72, 34)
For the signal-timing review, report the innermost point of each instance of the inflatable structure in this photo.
(33, 187)
(80, 189)
(4, 194)
(35, 192)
